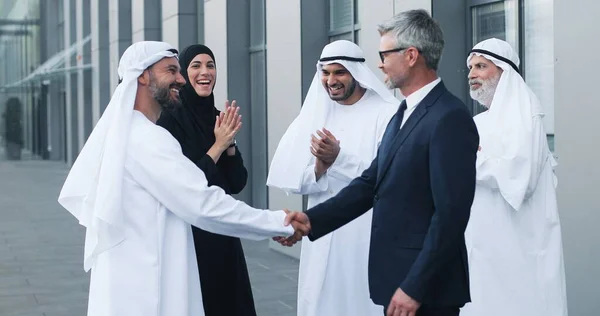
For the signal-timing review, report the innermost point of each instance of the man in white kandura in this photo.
(333, 139)
(137, 194)
(513, 237)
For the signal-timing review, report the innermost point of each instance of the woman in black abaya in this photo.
(209, 142)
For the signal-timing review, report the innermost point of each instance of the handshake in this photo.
(301, 224)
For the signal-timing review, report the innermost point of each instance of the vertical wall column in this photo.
(284, 93)
(369, 19)
(70, 83)
(257, 105)
(54, 34)
(576, 123)
(453, 69)
(239, 83)
(71, 86)
(180, 22)
(79, 62)
(314, 36)
(99, 27)
(146, 20)
(119, 35)
(86, 59)
(83, 57)
(44, 41)
(215, 37)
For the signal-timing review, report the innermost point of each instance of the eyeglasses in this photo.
(399, 49)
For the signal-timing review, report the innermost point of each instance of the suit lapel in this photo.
(413, 120)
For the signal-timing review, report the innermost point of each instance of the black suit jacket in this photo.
(421, 191)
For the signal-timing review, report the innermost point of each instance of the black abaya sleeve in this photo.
(214, 174)
(233, 171)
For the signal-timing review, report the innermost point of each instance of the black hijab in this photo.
(202, 109)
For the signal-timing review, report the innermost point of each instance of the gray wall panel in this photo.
(152, 20)
(452, 68)
(314, 36)
(188, 30)
(238, 65)
(103, 69)
(577, 130)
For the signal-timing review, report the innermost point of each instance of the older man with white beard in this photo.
(513, 236)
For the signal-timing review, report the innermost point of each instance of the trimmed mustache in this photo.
(475, 81)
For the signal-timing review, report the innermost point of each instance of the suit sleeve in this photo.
(350, 203)
(453, 150)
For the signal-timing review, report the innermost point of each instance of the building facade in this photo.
(65, 69)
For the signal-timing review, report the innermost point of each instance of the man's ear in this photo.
(413, 55)
(144, 78)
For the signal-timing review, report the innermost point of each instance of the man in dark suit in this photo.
(420, 185)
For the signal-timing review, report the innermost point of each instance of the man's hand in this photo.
(402, 305)
(327, 148)
(301, 226)
(320, 168)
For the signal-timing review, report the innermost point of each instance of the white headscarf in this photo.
(92, 190)
(292, 155)
(511, 118)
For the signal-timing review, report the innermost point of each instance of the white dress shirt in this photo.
(416, 97)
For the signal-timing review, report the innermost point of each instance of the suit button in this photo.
(376, 198)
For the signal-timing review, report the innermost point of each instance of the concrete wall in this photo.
(146, 17)
(84, 77)
(70, 103)
(215, 37)
(369, 37)
(120, 34)
(180, 23)
(99, 27)
(576, 124)
(54, 35)
(284, 82)
(452, 68)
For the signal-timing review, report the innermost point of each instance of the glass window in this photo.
(533, 38)
(495, 19)
(538, 63)
(343, 20)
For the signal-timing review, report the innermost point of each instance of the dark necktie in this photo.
(392, 130)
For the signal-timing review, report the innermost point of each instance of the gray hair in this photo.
(418, 29)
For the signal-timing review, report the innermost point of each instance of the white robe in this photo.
(153, 272)
(515, 256)
(333, 276)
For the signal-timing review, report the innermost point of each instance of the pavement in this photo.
(41, 251)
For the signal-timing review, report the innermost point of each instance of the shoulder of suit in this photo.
(450, 101)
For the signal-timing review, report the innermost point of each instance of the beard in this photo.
(485, 93)
(390, 84)
(346, 94)
(394, 83)
(162, 93)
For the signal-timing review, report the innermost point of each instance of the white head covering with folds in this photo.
(92, 190)
(511, 115)
(293, 154)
